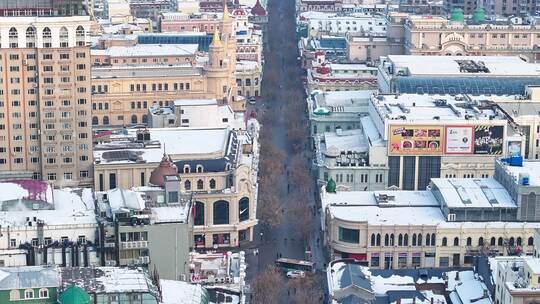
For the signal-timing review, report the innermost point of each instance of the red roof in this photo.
(258, 9)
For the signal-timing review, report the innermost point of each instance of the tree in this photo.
(268, 287)
(303, 217)
(305, 290)
(269, 209)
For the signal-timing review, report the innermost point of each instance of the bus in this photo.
(291, 264)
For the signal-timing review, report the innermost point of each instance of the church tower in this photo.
(217, 69)
(229, 42)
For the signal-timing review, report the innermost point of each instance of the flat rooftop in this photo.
(342, 98)
(148, 50)
(154, 71)
(530, 168)
(346, 140)
(473, 193)
(176, 142)
(469, 66)
(427, 108)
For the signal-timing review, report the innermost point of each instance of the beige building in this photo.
(248, 78)
(45, 99)
(127, 80)
(217, 166)
(404, 229)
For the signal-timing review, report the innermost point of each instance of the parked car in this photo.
(295, 274)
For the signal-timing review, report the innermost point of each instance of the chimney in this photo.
(457, 275)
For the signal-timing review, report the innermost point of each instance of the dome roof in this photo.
(331, 186)
(165, 168)
(258, 9)
(74, 295)
(479, 15)
(457, 15)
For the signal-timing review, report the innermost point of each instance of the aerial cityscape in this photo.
(269, 151)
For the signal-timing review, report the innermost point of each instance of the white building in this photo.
(195, 113)
(334, 24)
(46, 226)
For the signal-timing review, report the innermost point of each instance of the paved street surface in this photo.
(283, 239)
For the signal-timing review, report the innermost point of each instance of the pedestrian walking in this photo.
(261, 236)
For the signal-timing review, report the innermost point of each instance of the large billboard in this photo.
(416, 140)
(459, 140)
(488, 140)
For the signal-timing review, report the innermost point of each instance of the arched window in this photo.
(378, 239)
(511, 241)
(500, 241)
(373, 240)
(133, 119)
(14, 295)
(414, 239)
(80, 36)
(187, 169)
(433, 239)
(428, 240)
(13, 38)
(481, 241)
(243, 209)
(212, 184)
(530, 241)
(200, 184)
(199, 169)
(493, 241)
(469, 241)
(444, 242)
(392, 239)
(518, 241)
(64, 37)
(221, 213)
(456, 241)
(31, 37)
(95, 121)
(400, 240)
(105, 120)
(187, 185)
(144, 119)
(386, 240)
(47, 37)
(406, 240)
(419, 239)
(43, 293)
(199, 214)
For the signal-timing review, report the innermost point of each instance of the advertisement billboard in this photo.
(459, 140)
(416, 140)
(488, 140)
(513, 148)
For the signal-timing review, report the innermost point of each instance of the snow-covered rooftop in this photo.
(347, 140)
(70, 206)
(448, 65)
(195, 102)
(147, 50)
(473, 193)
(467, 288)
(530, 168)
(342, 98)
(429, 108)
(179, 292)
(28, 277)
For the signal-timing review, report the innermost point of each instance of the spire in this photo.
(226, 15)
(216, 41)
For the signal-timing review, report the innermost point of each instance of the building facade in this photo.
(46, 99)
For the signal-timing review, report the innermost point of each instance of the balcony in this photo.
(134, 245)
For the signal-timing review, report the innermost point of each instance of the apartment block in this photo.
(45, 96)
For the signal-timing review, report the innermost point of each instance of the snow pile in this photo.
(178, 292)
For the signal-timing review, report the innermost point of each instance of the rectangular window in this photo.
(375, 262)
(349, 235)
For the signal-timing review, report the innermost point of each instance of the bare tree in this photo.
(268, 287)
(269, 209)
(305, 290)
(301, 212)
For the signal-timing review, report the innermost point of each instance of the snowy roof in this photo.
(342, 98)
(344, 274)
(170, 214)
(448, 65)
(370, 131)
(534, 265)
(347, 140)
(195, 102)
(430, 108)
(125, 199)
(245, 65)
(101, 280)
(351, 67)
(175, 142)
(28, 277)
(530, 168)
(71, 206)
(32, 190)
(375, 215)
(146, 50)
(467, 288)
(179, 292)
(473, 193)
(158, 71)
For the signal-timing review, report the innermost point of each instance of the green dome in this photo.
(457, 15)
(479, 15)
(321, 111)
(74, 295)
(331, 186)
